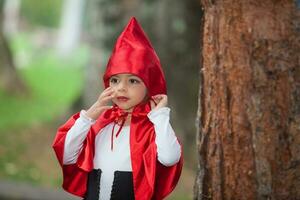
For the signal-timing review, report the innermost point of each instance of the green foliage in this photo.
(44, 13)
(52, 87)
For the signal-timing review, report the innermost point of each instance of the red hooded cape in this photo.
(134, 54)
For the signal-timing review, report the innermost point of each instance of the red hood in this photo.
(133, 53)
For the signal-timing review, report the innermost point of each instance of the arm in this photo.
(75, 138)
(78, 132)
(168, 147)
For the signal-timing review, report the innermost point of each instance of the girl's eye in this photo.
(134, 81)
(113, 80)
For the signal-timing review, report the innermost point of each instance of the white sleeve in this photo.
(75, 137)
(168, 147)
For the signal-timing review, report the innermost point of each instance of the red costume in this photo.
(133, 54)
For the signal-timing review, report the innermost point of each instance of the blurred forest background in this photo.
(52, 56)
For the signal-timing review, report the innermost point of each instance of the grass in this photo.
(53, 85)
(51, 89)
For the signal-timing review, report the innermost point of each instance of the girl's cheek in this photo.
(114, 90)
(113, 100)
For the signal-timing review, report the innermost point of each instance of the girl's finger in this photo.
(106, 107)
(152, 104)
(109, 92)
(106, 98)
(158, 96)
(108, 88)
(158, 99)
(106, 93)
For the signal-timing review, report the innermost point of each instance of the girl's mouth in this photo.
(122, 98)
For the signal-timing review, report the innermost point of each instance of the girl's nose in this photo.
(121, 86)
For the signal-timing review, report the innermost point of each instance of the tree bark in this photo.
(249, 101)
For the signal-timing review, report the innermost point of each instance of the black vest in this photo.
(122, 188)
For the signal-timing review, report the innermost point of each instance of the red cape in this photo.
(151, 179)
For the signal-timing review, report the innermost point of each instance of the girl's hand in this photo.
(101, 104)
(161, 100)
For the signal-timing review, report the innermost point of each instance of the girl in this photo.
(128, 150)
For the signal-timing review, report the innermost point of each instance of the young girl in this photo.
(128, 150)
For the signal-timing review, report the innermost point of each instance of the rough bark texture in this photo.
(249, 103)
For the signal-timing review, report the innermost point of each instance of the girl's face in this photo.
(129, 90)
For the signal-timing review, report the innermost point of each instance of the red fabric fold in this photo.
(120, 116)
(151, 179)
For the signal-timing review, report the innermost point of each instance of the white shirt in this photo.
(168, 148)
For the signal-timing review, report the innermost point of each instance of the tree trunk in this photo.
(70, 28)
(9, 79)
(249, 102)
(11, 17)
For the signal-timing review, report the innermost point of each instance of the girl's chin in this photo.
(128, 109)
